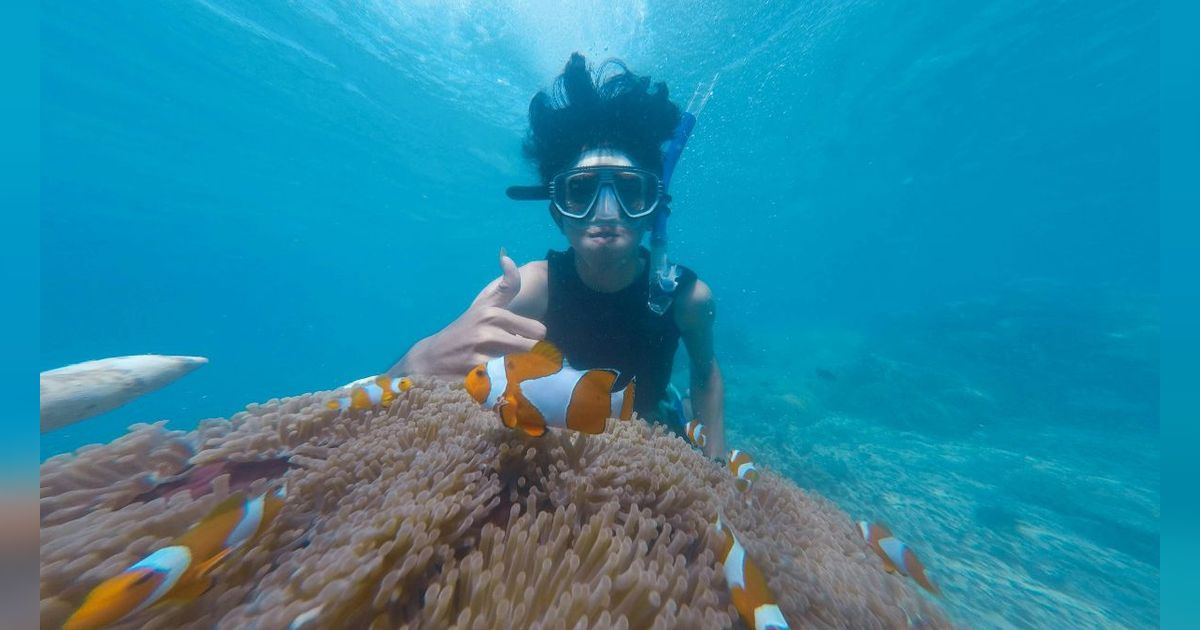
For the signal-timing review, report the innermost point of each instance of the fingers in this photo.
(502, 343)
(512, 323)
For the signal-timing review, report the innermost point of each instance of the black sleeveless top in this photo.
(614, 330)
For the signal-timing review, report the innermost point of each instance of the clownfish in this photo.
(537, 389)
(181, 571)
(747, 585)
(897, 556)
(695, 433)
(381, 390)
(743, 469)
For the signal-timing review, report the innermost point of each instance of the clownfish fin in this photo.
(189, 591)
(532, 426)
(209, 534)
(533, 430)
(530, 365)
(549, 351)
(528, 418)
(627, 400)
(515, 413)
(507, 410)
(206, 567)
(916, 569)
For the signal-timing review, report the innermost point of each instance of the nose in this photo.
(607, 206)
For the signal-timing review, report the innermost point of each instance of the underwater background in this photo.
(931, 230)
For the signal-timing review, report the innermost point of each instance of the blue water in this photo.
(949, 208)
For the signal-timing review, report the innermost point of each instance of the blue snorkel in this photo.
(664, 275)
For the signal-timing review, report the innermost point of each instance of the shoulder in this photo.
(532, 299)
(695, 307)
(534, 271)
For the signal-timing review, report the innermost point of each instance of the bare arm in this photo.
(505, 317)
(694, 314)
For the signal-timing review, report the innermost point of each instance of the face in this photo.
(605, 234)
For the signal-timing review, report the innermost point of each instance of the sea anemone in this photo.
(431, 514)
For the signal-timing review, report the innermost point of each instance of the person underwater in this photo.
(597, 140)
(181, 571)
(380, 390)
(537, 389)
(897, 557)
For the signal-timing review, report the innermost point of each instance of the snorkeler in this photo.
(606, 302)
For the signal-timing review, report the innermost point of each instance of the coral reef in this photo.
(430, 514)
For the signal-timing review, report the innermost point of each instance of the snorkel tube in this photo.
(664, 276)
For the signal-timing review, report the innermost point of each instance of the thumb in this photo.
(509, 285)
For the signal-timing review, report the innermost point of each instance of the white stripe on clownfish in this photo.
(498, 379)
(374, 392)
(252, 517)
(171, 562)
(895, 550)
(695, 433)
(745, 469)
(252, 511)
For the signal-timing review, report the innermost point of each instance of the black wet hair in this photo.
(610, 107)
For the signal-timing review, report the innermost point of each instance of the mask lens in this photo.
(578, 190)
(635, 190)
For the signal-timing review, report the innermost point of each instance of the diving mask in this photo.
(574, 192)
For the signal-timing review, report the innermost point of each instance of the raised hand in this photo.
(487, 329)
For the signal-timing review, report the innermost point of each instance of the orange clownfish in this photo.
(381, 390)
(748, 588)
(897, 556)
(181, 571)
(695, 433)
(537, 389)
(743, 469)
